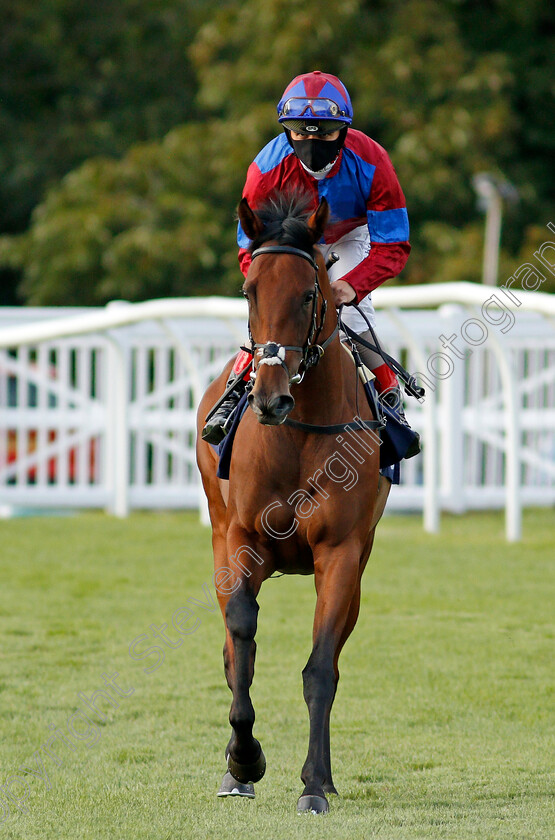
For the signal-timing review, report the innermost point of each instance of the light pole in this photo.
(491, 191)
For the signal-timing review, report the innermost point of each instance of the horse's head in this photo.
(286, 303)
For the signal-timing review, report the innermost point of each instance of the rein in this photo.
(411, 384)
(273, 353)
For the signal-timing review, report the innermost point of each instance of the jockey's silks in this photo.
(361, 188)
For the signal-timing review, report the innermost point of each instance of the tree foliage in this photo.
(450, 89)
(82, 79)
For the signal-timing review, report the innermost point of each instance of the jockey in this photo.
(320, 154)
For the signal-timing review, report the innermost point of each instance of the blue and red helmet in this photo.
(315, 100)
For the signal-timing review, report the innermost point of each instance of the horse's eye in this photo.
(308, 298)
(245, 294)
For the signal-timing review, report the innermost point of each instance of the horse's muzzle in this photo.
(271, 410)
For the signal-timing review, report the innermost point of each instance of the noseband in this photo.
(273, 353)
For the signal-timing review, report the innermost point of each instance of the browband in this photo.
(285, 249)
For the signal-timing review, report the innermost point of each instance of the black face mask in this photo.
(317, 154)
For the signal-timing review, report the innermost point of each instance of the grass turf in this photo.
(440, 727)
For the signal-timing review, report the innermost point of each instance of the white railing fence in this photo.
(97, 406)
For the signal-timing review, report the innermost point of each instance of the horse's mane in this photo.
(285, 216)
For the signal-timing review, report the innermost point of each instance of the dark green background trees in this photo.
(127, 130)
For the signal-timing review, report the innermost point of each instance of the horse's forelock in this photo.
(285, 216)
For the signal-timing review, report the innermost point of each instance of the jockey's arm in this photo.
(255, 191)
(389, 233)
(382, 263)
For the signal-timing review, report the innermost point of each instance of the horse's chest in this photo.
(300, 512)
(298, 496)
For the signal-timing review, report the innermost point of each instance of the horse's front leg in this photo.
(352, 617)
(336, 575)
(245, 758)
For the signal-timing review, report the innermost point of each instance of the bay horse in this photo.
(290, 504)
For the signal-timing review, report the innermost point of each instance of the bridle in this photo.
(273, 353)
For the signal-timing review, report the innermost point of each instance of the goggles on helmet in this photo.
(320, 108)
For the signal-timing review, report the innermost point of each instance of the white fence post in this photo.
(511, 410)
(451, 413)
(431, 507)
(117, 430)
(198, 389)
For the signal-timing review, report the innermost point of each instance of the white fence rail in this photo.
(97, 406)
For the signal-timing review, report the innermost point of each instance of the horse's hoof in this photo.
(247, 773)
(231, 787)
(312, 804)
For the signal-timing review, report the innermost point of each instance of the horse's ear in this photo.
(319, 219)
(251, 224)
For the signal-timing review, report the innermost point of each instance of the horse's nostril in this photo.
(281, 405)
(271, 410)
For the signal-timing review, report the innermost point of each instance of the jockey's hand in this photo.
(343, 292)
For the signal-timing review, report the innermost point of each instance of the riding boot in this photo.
(218, 425)
(393, 399)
